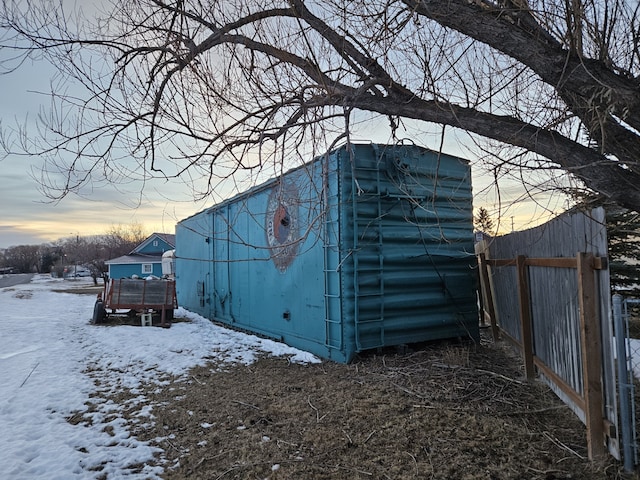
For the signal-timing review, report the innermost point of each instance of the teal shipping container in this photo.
(367, 246)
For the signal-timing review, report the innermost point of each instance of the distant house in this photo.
(145, 259)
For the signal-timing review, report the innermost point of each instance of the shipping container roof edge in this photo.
(268, 183)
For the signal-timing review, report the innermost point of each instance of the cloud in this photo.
(11, 235)
(28, 217)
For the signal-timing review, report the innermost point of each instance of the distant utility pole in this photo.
(512, 227)
(75, 263)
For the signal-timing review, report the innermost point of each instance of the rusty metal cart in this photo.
(143, 297)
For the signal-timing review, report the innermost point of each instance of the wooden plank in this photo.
(487, 295)
(512, 340)
(559, 262)
(525, 317)
(560, 383)
(501, 262)
(599, 263)
(591, 356)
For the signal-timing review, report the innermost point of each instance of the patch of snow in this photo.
(58, 372)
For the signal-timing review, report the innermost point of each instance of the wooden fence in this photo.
(547, 291)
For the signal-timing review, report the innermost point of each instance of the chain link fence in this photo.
(626, 320)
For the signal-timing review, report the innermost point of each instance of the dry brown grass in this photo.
(441, 412)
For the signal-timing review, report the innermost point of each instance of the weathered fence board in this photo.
(562, 282)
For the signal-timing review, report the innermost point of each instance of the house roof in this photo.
(134, 258)
(168, 238)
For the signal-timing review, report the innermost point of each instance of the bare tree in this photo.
(23, 258)
(85, 251)
(122, 239)
(206, 88)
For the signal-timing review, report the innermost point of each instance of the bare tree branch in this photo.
(205, 89)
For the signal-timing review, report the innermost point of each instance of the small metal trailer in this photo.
(142, 297)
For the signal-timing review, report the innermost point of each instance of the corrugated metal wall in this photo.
(193, 236)
(409, 232)
(367, 246)
(258, 274)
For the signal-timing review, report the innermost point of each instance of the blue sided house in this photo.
(145, 259)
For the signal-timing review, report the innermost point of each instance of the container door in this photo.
(221, 293)
(192, 256)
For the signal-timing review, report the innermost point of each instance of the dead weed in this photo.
(442, 412)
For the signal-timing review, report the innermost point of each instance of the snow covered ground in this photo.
(50, 357)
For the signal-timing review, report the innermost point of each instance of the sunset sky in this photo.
(27, 217)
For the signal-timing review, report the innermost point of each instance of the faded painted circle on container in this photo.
(282, 225)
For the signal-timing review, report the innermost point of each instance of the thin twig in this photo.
(353, 469)
(32, 370)
(406, 390)
(489, 372)
(190, 471)
(562, 445)
(207, 459)
(314, 408)
(318, 417)
(369, 436)
(246, 404)
(172, 445)
(539, 410)
(415, 462)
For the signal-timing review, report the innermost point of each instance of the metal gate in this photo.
(628, 367)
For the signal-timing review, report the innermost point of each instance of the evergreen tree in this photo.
(623, 237)
(623, 232)
(483, 221)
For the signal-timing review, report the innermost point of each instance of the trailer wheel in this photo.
(99, 313)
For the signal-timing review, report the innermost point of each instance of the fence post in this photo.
(487, 295)
(526, 332)
(591, 356)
